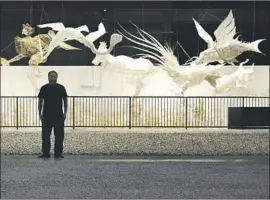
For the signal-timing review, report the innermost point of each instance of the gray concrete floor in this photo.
(135, 177)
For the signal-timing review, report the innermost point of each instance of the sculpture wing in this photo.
(96, 34)
(203, 34)
(82, 28)
(226, 30)
(62, 36)
(58, 26)
(71, 34)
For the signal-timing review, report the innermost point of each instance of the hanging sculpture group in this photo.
(180, 79)
(224, 50)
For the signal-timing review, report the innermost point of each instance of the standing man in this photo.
(51, 97)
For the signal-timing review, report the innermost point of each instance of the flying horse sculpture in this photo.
(185, 76)
(225, 49)
(29, 47)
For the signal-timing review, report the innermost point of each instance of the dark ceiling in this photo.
(169, 21)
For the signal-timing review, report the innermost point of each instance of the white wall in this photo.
(96, 81)
(79, 81)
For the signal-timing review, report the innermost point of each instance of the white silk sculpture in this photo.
(192, 75)
(225, 48)
(70, 33)
(184, 76)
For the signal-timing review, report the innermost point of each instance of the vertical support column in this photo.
(130, 114)
(73, 111)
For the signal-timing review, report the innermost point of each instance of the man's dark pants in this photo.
(47, 125)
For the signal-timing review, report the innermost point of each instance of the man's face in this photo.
(52, 77)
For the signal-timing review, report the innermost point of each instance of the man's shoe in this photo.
(58, 156)
(44, 156)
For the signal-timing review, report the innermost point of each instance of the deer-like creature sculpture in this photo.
(237, 79)
(134, 70)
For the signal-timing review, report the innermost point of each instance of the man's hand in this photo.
(64, 116)
(41, 117)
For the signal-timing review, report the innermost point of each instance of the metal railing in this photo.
(125, 111)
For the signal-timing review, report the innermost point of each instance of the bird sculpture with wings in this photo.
(226, 48)
(69, 33)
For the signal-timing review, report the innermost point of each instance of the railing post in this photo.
(186, 112)
(129, 126)
(243, 105)
(17, 113)
(73, 112)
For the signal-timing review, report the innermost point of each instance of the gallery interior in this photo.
(242, 71)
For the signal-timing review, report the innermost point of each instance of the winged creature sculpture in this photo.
(33, 47)
(69, 33)
(184, 76)
(59, 26)
(29, 46)
(225, 49)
